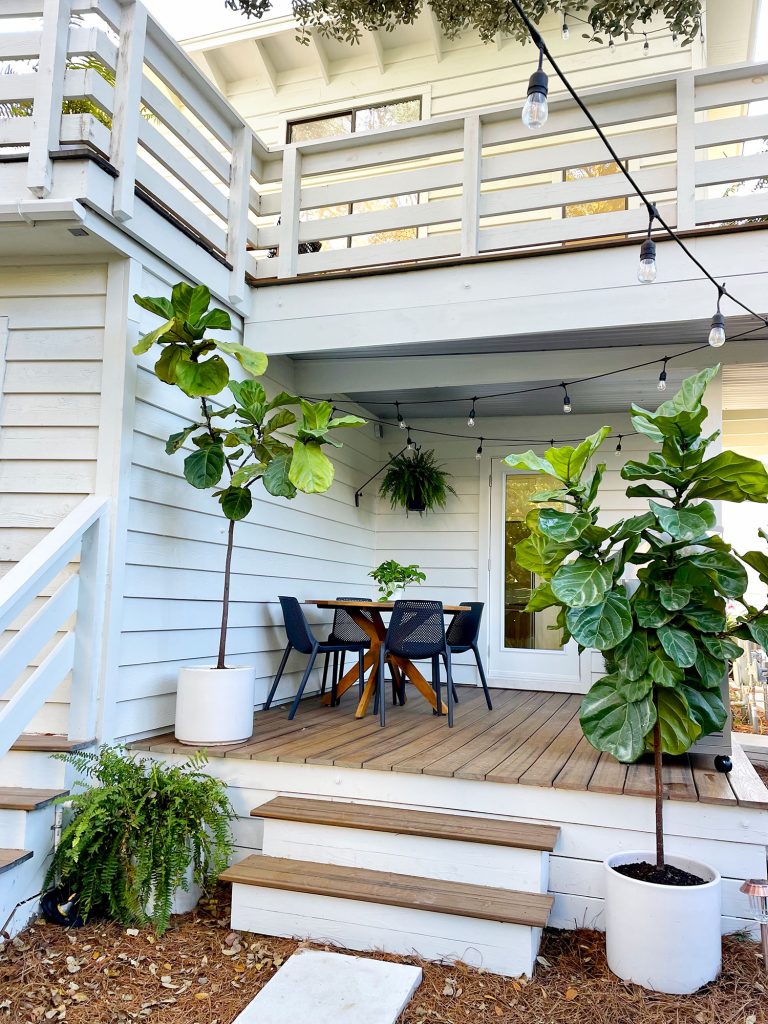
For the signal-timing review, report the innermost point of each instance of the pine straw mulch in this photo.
(762, 772)
(200, 972)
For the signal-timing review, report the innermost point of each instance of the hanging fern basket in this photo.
(416, 482)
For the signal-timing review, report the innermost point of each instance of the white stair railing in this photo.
(81, 538)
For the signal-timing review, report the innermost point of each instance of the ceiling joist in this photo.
(266, 64)
(321, 56)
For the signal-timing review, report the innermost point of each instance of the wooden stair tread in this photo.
(10, 858)
(466, 828)
(384, 887)
(18, 798)
(49, 743)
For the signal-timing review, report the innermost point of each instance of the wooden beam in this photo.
(210, 65)
(266, 65)
(378, 51)
(317, 47)
(49, 93)
(436, 34)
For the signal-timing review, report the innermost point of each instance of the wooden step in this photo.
(10, 858)
(389, 889)
(49, 743)
(18, 798)
(465, 828)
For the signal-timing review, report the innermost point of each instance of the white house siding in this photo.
(467, 75)
(314, 546)
(50, 400)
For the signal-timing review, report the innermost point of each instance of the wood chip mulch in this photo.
(200, 972)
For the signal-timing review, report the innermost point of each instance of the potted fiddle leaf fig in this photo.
(237, 440)
(667, 646)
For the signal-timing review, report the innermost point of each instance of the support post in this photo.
(89, 628)
(471, 175)
(49, 95)
(237, 212)
(288, 261)
(124, 139)
(686, 151)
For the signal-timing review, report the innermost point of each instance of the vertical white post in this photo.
(237, 211)
(124, 139)
(686, 150)
(49, 95)
(89, 627)
(288, 260)
(471, 174)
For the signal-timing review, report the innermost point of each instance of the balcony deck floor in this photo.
(531, 738)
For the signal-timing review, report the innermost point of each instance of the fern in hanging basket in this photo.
(416, 482)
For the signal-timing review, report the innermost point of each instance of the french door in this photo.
(524, 653)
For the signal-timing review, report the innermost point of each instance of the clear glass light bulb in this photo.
(646, 271)
(566, 33)
(717, 336)
(471, 420)
(479, 454)
(662, 385)
(567, 407)
(612, 47)
(536, 110)
(401, 423)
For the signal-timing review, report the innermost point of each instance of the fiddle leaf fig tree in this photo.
(667, 646)
(245, 437)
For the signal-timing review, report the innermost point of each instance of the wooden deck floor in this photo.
(531, 738)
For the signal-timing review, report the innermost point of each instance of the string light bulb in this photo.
(567, 407)
(479, 452)
(612, 47)
(566, 32)
(717, 328)
(536, 109)
(400, 421)
(646, 271)
(646, 46)
(662, 385)
(410, 444)
(472, 414)
(618, 446)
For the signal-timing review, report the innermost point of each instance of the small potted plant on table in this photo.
(392, 579)
(666, 646)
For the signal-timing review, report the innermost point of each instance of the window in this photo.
(348, 122)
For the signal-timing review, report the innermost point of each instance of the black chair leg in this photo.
(483, 680)
(342, 659)
(325, 673)
(455, 692)
(302, 684)
(380, 687)
(436, 684)
(449, 686)
(361, 673)
(281, 667)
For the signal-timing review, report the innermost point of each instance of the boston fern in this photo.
(416, 482)
(133, 832)
(666, 646)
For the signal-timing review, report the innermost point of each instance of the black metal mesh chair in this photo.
(462, 635)
(344, 631)
(301, 639)
(417, 631)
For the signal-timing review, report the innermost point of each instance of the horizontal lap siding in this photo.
(49, 412)
(313, 546)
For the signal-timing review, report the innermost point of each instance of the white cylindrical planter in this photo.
(184, 900)
(398, 595)
(214, 705)
(663, 937)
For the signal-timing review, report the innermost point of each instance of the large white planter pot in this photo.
(663, 937)
(214, 706)
(184, 900)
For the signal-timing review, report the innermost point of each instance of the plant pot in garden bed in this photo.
(214, 706)
(663, 937)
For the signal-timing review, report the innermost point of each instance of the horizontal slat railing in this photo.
(68, 649)
(454, 185)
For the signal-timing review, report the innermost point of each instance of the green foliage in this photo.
(414, 481)
(390, 576)
(132, 832)
(346, 20)
(668, 645)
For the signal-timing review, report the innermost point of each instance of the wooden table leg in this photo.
(350, 678)
(370, 688)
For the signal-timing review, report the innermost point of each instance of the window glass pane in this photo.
(387, 115)
(598, 205)
(527, 630)
(320, 128)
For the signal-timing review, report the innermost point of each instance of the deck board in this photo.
(529, 738)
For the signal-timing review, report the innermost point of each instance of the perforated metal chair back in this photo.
(464, 627)
(345, 630)
(416, 629)
(296, 626)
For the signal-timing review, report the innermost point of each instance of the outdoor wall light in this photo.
(757, 891)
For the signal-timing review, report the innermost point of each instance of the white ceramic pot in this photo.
(184, 900)
(214, 706)
(663, 937)
(398, 595)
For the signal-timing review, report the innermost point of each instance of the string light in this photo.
(646, 271)
(618, 446)
(612, 47)
(479, 452)
(400, 421)
(566, 32)
(471, 417)
(662, 385)
(567, 407)
(717, 329)
(536, 109)
(646, 46)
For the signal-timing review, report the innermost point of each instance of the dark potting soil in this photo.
(665, 875)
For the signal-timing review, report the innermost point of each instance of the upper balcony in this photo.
(111, 115)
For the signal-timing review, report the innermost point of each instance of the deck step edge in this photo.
(9, 858)
(19, 798)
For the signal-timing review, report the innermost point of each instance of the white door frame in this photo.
(549, 679)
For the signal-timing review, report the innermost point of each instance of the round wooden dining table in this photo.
(368, 616)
